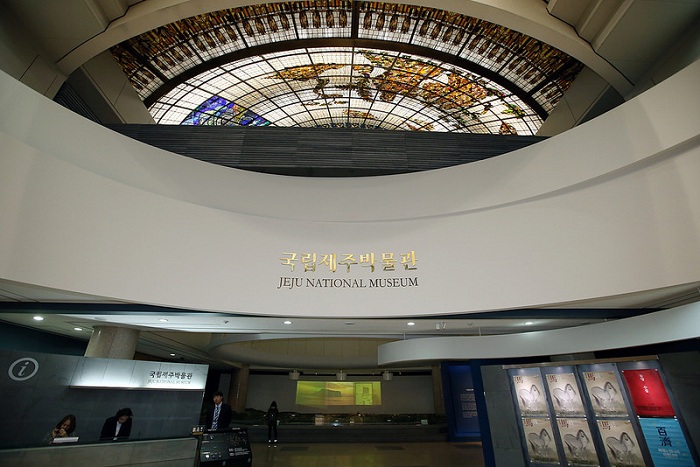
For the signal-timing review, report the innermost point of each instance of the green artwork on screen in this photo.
(331, 393)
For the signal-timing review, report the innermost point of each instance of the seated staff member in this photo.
(63, 429)
(119, 426)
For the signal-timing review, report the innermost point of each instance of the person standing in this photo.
(272, 418)
(119, 426)
(219, 418)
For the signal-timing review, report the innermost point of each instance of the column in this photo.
(239, 389)
(112, 342)
(438, 399)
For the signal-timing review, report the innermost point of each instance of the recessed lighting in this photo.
(163, 320)
(287, 322)
(411, 323)
(172, 354)
(38, 318)
(529, 323)
(77, 329)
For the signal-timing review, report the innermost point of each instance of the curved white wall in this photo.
(609, 208)
(664, 326)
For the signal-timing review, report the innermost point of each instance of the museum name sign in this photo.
(383, 263)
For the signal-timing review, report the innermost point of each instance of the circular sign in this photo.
(22, 369)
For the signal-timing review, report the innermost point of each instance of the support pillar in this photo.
(438, 399)
(239, 389)
(112, 342)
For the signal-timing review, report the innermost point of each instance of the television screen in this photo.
(327, 393)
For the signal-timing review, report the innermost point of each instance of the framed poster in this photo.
(564, 391)
(620, 443)
(648, 393)
(604, 393)
(577, 441)
(666, 442)
(540, 442)
(530, 393)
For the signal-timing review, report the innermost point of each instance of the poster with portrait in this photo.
(620, 443)
(540, 441)
(577, 441)
(648, 393)
(564, 391)
(604, 393)
(530, 393)
(666, 442)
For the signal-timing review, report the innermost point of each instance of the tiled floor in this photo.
(369, 455)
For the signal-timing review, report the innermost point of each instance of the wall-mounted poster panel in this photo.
(532, 400)
(541, 447)
(577, 441)
(621, 444)
(604, 393)
(666, 442)
(566, 399)
(648, 394)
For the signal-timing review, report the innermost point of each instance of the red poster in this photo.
(648, 393)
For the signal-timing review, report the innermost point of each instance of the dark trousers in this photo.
(271, 429)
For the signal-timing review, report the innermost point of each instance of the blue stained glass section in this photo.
(218, 111)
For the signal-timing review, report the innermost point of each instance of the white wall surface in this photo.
(608, 208)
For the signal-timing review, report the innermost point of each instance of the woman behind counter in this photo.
(117, 427)
(63, 429)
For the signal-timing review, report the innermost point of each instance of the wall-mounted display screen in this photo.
(325, 393)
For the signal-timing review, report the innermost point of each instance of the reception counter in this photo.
(178, 452)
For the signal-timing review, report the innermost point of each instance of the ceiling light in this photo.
(77, 329)
(38, 318)
(411, 323)
(287, 322)
(163, 320)
(172, 354)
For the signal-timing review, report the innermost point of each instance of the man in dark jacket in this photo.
(220, 416)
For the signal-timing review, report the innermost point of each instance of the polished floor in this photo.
(368, 455)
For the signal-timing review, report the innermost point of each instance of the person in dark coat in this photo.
(119, 426)
(220, 416)
(272, 417)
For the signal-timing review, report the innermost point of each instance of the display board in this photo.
(230, 448)
(460, 402)
(606, 414)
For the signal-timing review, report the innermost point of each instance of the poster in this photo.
(648, 393)
(540, 443)
(566, 398)
(666, 442)
(577, 441)
(530, 394)
(620, 443)
(604, 393)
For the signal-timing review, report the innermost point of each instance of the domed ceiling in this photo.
(344, 64)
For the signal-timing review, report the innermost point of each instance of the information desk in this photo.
(175, 452)
(229, 447)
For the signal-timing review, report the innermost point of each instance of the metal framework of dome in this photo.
(345, 64)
